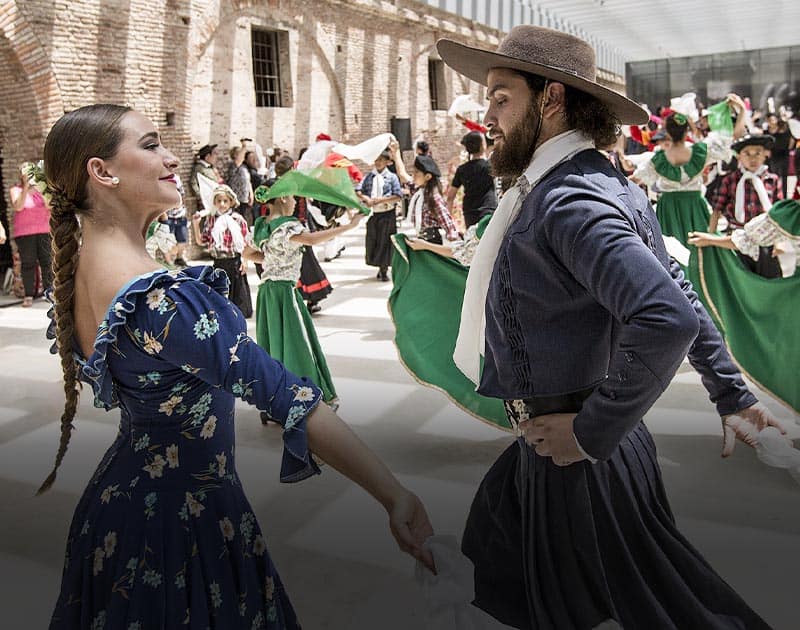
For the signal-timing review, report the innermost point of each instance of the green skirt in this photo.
(425, 306)
(285, 330)
(758, 318)
(682, 212)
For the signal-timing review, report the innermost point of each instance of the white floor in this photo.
(328, 539)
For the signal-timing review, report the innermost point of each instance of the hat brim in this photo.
(761, 141)
(475, 63)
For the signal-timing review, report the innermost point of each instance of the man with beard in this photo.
(571, 302)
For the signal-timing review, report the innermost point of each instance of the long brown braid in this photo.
(78, 136)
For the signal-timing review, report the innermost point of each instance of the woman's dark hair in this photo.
(583, 112)
(676, 129)
(78, 136)
(432, 186)
(423, 146)
(473, 142)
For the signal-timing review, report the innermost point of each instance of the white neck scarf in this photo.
(227, 222)
(470, 343)
(758, 185)
(377, 185)
(415, 208)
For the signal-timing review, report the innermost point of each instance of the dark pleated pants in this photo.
(563, 548)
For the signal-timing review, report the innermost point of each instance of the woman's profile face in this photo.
(144, 166)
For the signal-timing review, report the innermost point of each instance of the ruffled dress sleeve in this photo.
(464, 251)
(646, 173)
(185, 319)
(757, 232)
(194, 327)
(719, 147)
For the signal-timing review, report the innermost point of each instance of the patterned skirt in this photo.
(314, 284)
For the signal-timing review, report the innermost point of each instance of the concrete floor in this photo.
(328, 539)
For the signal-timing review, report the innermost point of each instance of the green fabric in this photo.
(425, 305)
(332, 185)
(719, 119)
(151, 229)
(285, 330)
(263, 228)
(681, 212)
(695, 165)
(786, 214)
(480, 227)
(758, 318)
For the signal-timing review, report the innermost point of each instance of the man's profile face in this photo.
(511, 119)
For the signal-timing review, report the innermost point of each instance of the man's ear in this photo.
(554, 98)
(98, 172)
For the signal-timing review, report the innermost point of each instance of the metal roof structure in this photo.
(629, 30)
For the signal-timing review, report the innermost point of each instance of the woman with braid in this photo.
(163, 536)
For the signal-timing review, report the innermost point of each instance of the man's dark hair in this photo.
(473, 142)
(584, 112)
(423, 146)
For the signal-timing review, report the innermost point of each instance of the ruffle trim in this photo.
(674, 173)
(94, 369)
(297, 462)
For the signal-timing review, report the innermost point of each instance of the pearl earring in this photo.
(115, 181)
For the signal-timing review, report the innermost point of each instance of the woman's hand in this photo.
(552, 436)
(735, 101)
(410, 527)
(745, 425)
(355, 216)
(704, 239)
(415, 243)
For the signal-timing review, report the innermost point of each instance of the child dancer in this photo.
(283, 324)
(226, 234)
(427, 207)
(749, 190)
(381, 191)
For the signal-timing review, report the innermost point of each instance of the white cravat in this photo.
(377, 185)
(227, 222)
(471, 340)
(415, 208)
(758, 185)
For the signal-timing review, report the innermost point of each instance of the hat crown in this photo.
(548, 47)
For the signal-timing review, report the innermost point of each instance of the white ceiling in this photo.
(643, 29)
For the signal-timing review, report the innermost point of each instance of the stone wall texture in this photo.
(349, 67)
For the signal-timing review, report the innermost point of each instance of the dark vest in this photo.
(546, 332)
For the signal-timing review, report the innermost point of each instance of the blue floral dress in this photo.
(163, 536)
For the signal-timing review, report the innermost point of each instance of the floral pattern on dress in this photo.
(283, 256)
(164, 514)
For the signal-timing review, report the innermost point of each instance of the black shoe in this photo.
(313, 307)
(266, 419)
(383, 277)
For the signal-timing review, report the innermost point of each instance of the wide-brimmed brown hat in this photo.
(545, 52)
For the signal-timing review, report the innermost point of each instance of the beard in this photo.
(512, 156)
